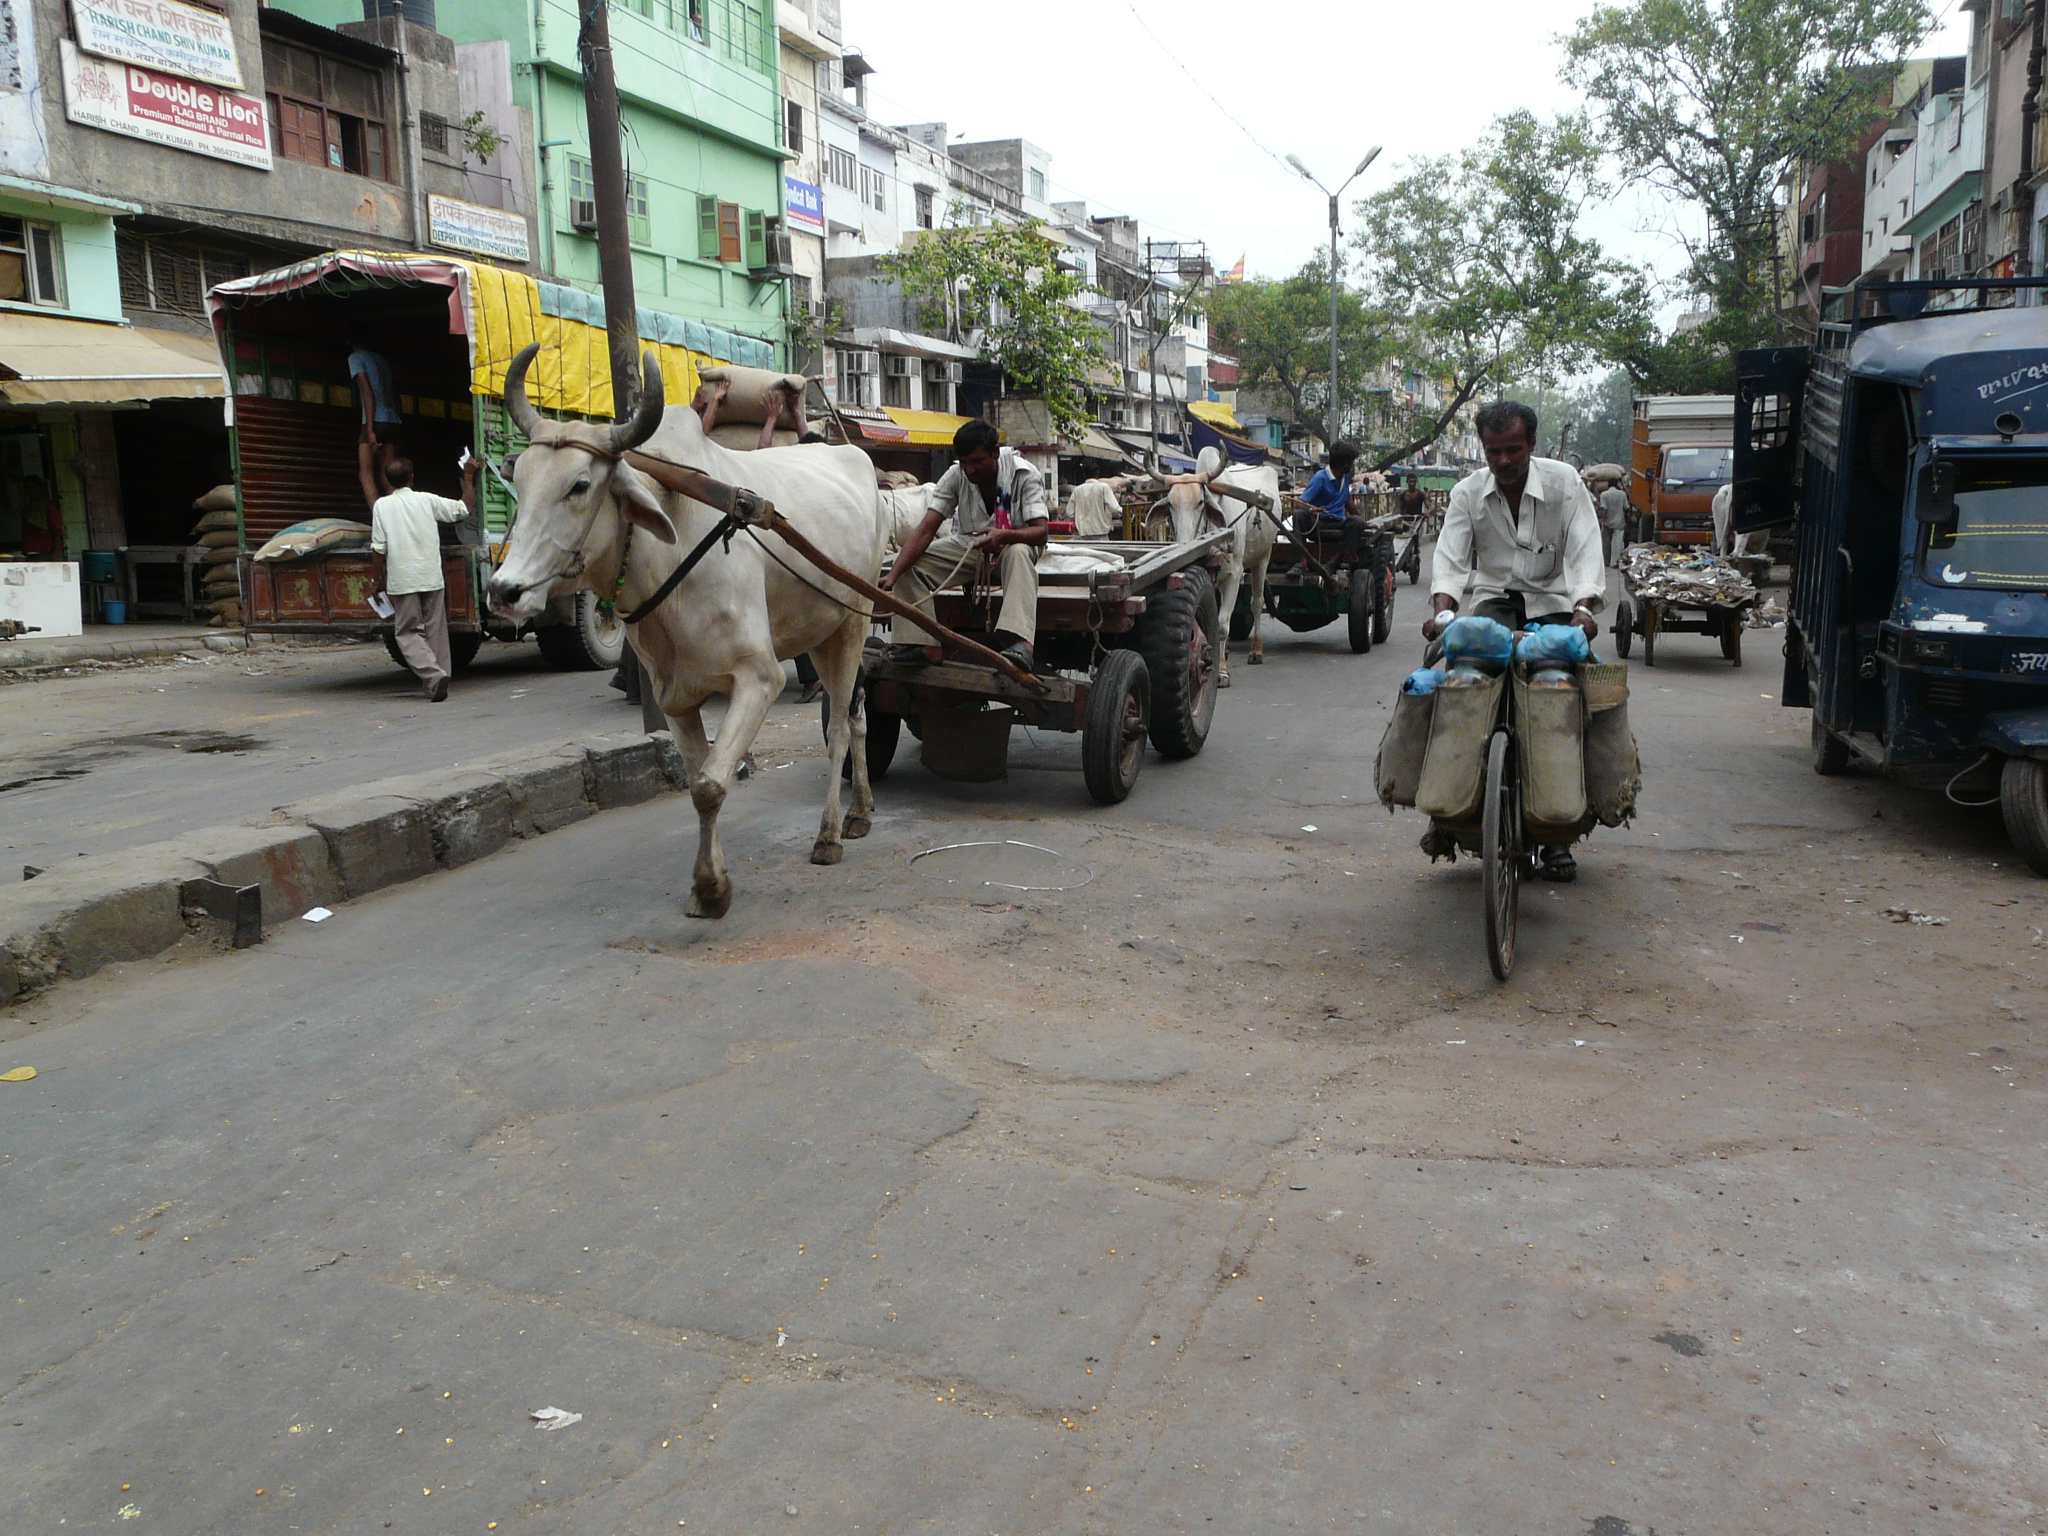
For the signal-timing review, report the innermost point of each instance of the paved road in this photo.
(1221, 1192)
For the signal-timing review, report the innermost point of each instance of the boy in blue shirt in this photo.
(1326, 504)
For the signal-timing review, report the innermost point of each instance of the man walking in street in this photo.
(1614, 521)
(1520, 539)
(997, 503)
(405, 543)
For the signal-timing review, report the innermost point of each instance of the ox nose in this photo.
(505, 593)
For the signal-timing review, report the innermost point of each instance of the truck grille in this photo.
(1948, 697)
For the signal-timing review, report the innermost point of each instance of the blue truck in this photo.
(1908, 449)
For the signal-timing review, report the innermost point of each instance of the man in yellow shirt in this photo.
(405, 545)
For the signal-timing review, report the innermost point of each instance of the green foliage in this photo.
(1477, 261)
(479, 137)
(1714, 102)
(1280, 334)
(1601, 416)
(1005, 282)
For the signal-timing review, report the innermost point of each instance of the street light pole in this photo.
(1309, 176)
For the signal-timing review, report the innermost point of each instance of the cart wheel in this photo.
(1243, 622)
(1113, 729)
(2023, 800)
(1649, 634)
(884, 731)
(1413, 562)
(1383, 594)
(1359, 609)
(1624, 628)
(1830, 752)
(1181, 639)
(1731, 636)
(1501, 855)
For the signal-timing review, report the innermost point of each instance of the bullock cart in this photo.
(1127, 650)
(1307, 589)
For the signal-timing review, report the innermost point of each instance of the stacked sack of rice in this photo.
(218, 532)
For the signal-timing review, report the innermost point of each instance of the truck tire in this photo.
(1181, 640)
(1358, 612)
(2023, 801)
(1114, 726)
(1830, 752)
(462, 648)
(594, 641)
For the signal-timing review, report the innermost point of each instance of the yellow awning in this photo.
(1216, 413)
(49, 360)
(926, 429)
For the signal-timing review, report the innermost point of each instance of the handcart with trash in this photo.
(1682, 589)
(1516, 742)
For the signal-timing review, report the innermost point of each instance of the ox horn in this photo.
(517, 406)
(647, 410)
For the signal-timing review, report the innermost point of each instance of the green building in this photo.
(702, 119)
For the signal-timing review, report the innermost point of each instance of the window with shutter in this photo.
(639, 215)
(707, 228)
(326, 111)
(757, 239)
(793, 127)
(730, 238)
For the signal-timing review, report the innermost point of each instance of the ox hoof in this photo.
(823, 852)
(711, 902)
(1222, 679)
(1256, 659)
(857, 825)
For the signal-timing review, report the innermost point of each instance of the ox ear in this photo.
(641, 505)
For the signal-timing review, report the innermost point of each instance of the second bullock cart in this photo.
(1127, 649)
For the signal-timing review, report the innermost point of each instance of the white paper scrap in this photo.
(556, 1418)
(317, 915)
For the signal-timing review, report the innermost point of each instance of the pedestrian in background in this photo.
(1614, 521)
(405, 549)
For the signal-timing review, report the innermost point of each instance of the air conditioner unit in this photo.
(583, 213)
(856, 363)
(819, 309)
(778, 255)
(942, 373)
(899, 367)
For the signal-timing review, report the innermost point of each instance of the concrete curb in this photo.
(77, 918)
(24, 655)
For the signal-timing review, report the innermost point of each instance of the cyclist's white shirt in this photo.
(1551, 553)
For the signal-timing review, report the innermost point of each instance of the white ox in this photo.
(1195, 508)
(745, 608)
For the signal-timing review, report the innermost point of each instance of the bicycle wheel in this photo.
(1501, 856)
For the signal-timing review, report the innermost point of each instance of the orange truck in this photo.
(1684, 452)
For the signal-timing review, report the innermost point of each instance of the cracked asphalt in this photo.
(1221, 1192)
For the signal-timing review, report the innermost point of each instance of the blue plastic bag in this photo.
(1479, 640)
(1562, 644)
(1423, 680)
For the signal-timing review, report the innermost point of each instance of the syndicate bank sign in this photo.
(164, 109)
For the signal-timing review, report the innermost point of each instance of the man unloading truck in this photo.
(405, 546)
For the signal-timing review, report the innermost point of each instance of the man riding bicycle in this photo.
(1522, 540)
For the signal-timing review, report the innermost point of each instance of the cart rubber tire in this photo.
(1383, 594)
(1244, 623)
(462, 648)
(1359, 610)
(593, 641)
(1182, 642)
(1731, 637)
(1830, 752)
(1624, 628)
(884, 731)
(2023, 801)
(1414, 561)
(1113, 728)
(1500, 856)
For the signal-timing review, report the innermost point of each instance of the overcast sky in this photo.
(1095, 82)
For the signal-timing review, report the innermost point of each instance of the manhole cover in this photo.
(1004, 866)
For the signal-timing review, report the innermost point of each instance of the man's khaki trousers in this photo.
(420, 626)
(952, 562)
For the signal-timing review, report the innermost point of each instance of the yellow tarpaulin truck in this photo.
(448, 329)
(1684, 452)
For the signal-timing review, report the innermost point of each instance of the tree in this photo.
(1280, 334)
(1715, 101)
(1004, 282)
(1478, 263)
(1601, 416)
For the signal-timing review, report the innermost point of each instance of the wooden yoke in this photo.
(745, 506)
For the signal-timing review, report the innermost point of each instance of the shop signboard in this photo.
(164, 35)
(460, 226)
(181, 114)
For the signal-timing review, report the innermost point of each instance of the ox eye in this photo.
(579, 488)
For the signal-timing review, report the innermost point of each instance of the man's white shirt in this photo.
(1556, 535)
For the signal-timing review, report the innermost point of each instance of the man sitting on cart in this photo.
(997, 503)
(1522, 541)
(1326, 504)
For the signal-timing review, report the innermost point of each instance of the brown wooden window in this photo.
(730, 243)
(326, 111)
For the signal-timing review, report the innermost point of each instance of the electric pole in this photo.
(615, 267)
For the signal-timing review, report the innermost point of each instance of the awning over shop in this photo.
(1170, 457)
(1216, 413)
(913, 344)
(925, 429)
(1098, 444)
(49, 360)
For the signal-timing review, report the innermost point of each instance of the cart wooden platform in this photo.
(1123, 655)
(1649, 617)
